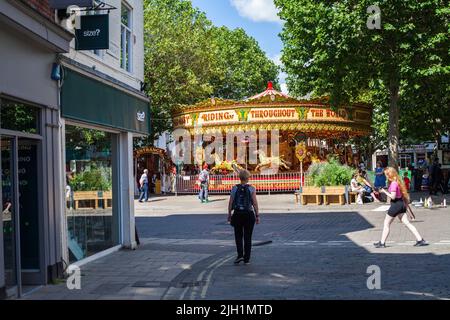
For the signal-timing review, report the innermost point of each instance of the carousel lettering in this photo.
(324, 113)
(183, 120)
(275, 113)
(217, 116)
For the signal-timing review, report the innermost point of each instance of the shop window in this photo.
(18, 116)
(89, 192)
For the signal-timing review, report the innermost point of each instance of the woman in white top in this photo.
(356, 187)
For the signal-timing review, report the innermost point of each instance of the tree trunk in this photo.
(394, 131)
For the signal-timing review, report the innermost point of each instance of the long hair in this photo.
(392, 175)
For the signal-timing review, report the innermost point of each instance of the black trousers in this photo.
(243, 223)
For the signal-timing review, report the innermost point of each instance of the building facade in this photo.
(68, 119)
(31, 180)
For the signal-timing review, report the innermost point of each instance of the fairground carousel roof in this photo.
(272, 110)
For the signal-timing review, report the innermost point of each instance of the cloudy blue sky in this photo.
(257, 17)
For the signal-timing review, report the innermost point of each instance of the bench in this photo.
(93, 197)
(352, 196)
(309, 195)
(334, 195)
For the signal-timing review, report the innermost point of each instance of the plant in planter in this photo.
(94, 179)
(330, 173)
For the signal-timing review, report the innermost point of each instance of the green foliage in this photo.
(402, 69)
(92, 179)
(187, 59)
(330, 173)
(81, 140)
(244, 67)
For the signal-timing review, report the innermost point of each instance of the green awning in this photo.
(86, 99)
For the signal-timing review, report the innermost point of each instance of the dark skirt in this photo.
(397, 207)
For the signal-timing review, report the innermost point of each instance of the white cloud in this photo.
(276, 59)
(282, 76)
(257, 10)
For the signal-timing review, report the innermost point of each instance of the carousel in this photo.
(307, 131)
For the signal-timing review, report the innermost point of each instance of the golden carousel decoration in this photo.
(309, 130)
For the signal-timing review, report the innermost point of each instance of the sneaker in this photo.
(238, 260)
(247, 262)
(420, 243)
(379, 245)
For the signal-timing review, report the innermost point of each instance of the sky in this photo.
(257, 17)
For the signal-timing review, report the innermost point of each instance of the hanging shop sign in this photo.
(94, 32)
(64, 4)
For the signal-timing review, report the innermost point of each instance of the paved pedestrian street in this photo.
(304, 253)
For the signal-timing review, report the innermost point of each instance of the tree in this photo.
(244, 67)
(330, 50)
(188, 59)
(179, 61)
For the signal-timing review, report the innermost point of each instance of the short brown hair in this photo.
(244, 175)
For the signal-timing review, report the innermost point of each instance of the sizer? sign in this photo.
(93, 33)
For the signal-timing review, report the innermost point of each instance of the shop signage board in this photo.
(64, 4)
(260, 114)
(94, 32)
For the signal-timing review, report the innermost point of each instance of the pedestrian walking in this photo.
(243, 213)
(173, 176)
(399, 200)
(204, 182)
(143, 183)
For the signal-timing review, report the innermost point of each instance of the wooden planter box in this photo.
(93, 198)
(321, 195)
(334, 195)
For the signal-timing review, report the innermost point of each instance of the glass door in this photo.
(9, 217)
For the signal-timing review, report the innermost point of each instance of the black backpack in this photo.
(243, 199)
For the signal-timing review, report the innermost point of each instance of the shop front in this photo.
(100, 121)
(30, 188)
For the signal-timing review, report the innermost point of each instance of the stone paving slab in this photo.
(311, 256)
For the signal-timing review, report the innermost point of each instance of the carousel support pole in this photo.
(301, 174)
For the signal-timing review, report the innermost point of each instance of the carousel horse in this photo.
(267, 162)
(225, 165)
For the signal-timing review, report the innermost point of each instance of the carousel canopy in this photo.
(270, 91)
(271, 110)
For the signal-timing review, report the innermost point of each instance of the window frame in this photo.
(126, 30)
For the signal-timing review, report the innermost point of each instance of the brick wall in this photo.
(43, 7)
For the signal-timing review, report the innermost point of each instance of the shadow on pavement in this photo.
(311, 257)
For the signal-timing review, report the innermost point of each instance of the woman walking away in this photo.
(244, 206)
(399, 198)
